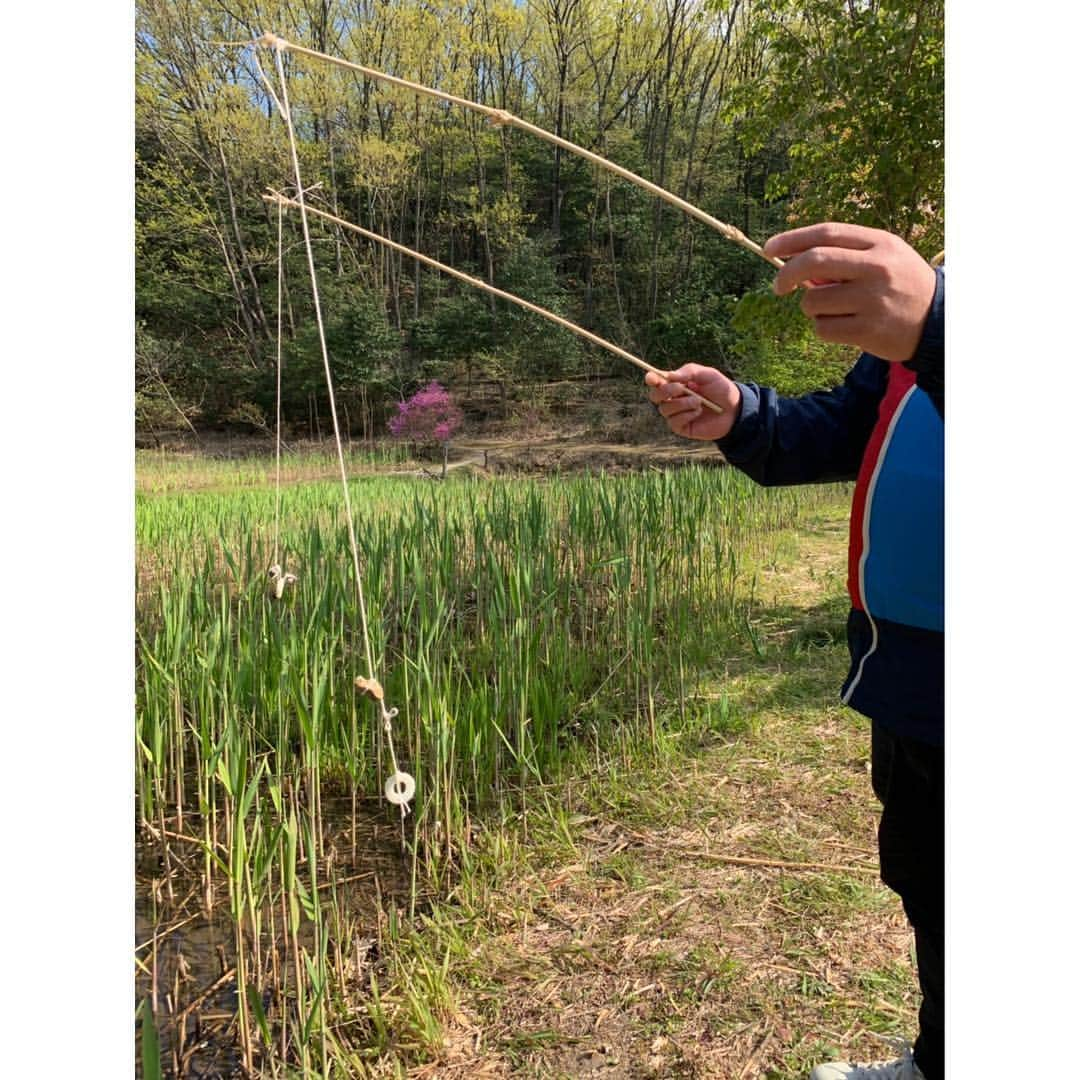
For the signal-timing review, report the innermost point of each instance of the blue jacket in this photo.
(884, 428)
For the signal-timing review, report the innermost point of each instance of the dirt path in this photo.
(653, 944)
(577, 451)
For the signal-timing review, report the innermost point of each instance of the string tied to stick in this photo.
(271, 40)
(400, 787)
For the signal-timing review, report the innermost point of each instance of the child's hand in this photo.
(876, 293)
(687, 416)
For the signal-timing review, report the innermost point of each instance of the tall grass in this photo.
(511, 620)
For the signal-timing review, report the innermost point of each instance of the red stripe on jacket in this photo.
(900, 381)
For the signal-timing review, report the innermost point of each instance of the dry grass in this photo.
(634, 946)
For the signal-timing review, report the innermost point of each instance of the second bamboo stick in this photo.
(283, 200)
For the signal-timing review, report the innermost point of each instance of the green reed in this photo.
(502, 615)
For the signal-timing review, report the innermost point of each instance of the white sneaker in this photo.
(902, 1068)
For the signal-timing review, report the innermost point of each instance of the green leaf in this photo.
(151, 1048)
(289, 869)
(223, 776)
(255, 1002)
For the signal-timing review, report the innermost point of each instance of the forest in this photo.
(766, 113)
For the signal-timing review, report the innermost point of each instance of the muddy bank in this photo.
(185, 943)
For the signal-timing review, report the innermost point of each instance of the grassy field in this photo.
(642, 839)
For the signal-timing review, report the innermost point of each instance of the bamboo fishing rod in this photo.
(502, 118)
(279, 199)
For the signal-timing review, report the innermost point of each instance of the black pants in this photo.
(909, 778)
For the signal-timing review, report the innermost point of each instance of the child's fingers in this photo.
(846, 299)
(666, 391)
(826, 234)
(679, 406)
(819, 265)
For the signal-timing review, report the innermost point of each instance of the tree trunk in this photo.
(334, 201)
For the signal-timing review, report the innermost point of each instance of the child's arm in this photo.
(815, 438)
(867, 288)
(871, 289)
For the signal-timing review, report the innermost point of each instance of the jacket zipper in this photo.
(871, 486)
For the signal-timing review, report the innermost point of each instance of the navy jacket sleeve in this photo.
(929, 360)
(816, 438)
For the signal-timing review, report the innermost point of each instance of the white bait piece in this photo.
(400, 788)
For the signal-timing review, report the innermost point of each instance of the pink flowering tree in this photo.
(429, 418)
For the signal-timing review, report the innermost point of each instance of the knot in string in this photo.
(272, 41)
(400, 786)
(279, 580)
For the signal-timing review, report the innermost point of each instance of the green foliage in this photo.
(534, 345)
(365, 353)
(456, 327)
(151, 1047)
(775, 345)
(858, 92)
(463, 334)
(154, 411)
(689, 331)
(171, 277)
